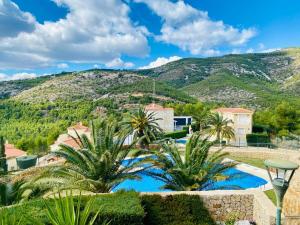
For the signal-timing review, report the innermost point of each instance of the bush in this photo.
(119, 208)
(256, 139)
(175, 210)
(176, 134)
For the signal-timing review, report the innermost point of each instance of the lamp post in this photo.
(284, 171)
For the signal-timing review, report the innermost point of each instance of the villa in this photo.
(242, 123)
(67, 139)
(165, 116)
(11, 154)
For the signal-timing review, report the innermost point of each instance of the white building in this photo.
(12, 153)
(67, 139)
(242, 123)
(165, 116)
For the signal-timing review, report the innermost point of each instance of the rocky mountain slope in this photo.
(256, 80)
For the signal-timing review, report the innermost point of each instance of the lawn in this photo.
(271, 195)
(251, 161)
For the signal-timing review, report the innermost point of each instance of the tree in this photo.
(99, 165)
(200, 118)
(197, 170)
(220, 127)
(143, 126)
(3, 163)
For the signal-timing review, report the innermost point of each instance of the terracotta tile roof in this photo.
(72, 143)
(12, 152)
(233, 110)
(154, 106)
(79, 126)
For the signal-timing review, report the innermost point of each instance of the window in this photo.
(243, 119)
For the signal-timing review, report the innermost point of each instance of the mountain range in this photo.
(254, 80)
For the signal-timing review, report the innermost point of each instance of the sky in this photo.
(39, 37)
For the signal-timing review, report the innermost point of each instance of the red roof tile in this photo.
(233, 110)
(72, 143)
(11, 151)
(154, 106)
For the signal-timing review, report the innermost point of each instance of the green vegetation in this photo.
(258, 139)
(271, 195)
(144, 126)
(175, 210)
(249, 160)
(282, 120)
(66, 211)
(98, 165)
(195, 172)
(220, 127)
(176, 134)
(3, 163)
(118, 208)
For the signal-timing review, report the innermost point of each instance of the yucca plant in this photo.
(196, 170)
(99, 165)
(144, 126)
(9, 219)
(69, 210)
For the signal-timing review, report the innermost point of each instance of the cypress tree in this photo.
(3, 163)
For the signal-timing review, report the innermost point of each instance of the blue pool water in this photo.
(241, 180)
(181, 141)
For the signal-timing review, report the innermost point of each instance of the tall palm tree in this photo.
(99, 165)
(220, 127)
(196, 171)
(200, 118)
(143, 126)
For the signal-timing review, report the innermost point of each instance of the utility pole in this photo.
(153, 100)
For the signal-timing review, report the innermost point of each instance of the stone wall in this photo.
(245, 204)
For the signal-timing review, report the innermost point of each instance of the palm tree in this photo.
(220, 127)
(201, 118)
(196, 171)
(99, 165)
(144, 126)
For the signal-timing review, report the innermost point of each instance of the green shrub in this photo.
(175, 210)
(118, 208)
(256, 139)
(176, 134)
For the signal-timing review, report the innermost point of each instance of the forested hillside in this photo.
(34, 112)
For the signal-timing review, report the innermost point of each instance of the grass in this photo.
(271, 195)
(251, 161)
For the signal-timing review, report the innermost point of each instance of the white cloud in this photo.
(192, 30)
(119, 63)
(93, 31)
(17, 76)
(270, 50)
(62, 66)
(161, 61)
(13, 21)
(96, 66)
(250, 50)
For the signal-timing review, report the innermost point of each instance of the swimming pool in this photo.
(242, 180)
(181, 141)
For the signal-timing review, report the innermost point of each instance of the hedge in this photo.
(258, 138)
(175, 210)
(176, 134)
(118, 208)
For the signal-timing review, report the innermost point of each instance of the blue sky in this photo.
(40, 37)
